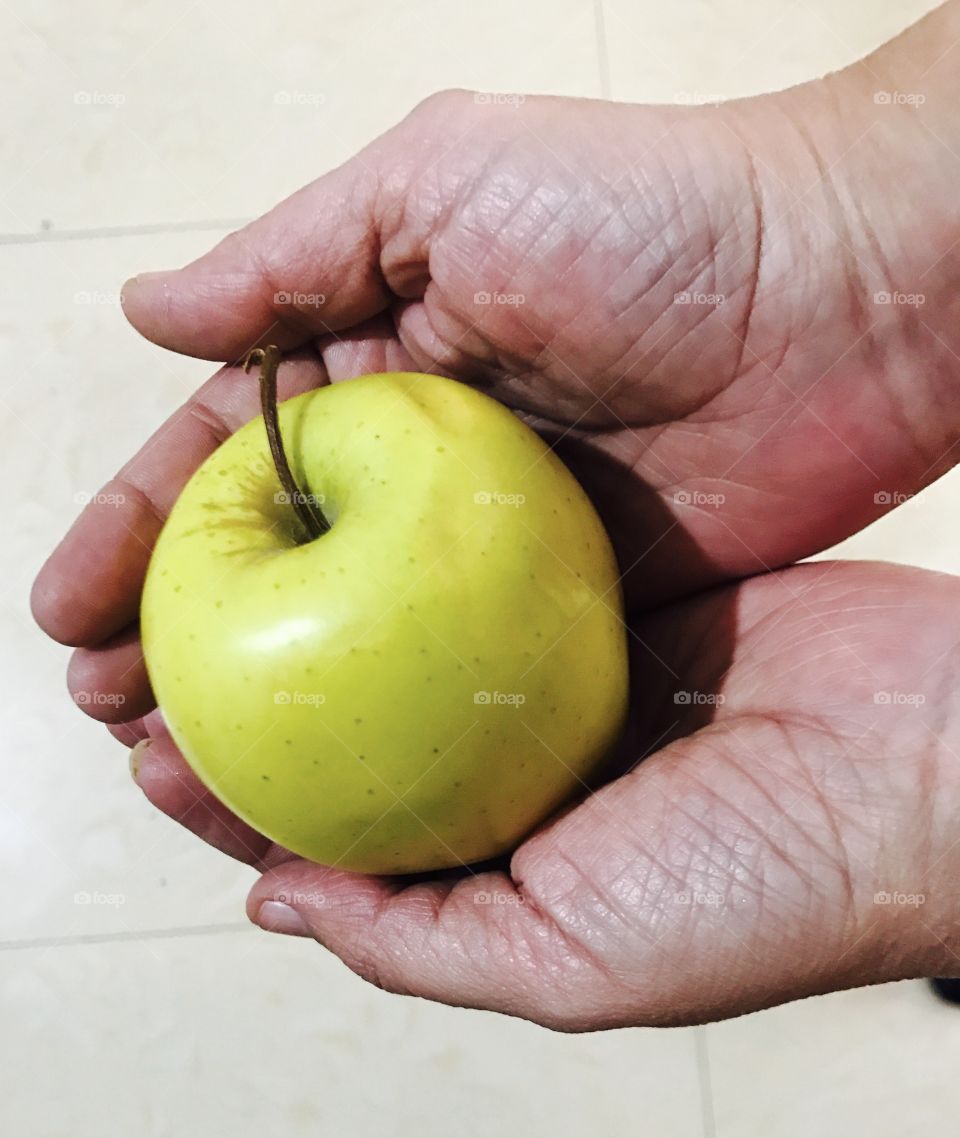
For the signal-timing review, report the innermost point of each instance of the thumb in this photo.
(309, 266)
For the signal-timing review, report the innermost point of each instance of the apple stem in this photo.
(310, 516)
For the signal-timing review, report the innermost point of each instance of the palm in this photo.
(739, 863)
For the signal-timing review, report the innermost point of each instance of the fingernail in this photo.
(275, 917)
(143, 278)
(158, 275)
(136, 754)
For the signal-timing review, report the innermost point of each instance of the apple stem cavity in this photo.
(311, 518)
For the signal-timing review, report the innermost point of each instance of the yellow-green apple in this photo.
(421, 684)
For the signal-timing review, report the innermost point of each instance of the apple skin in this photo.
(422, 685)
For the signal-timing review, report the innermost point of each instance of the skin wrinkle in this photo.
(756, 197)
(707, 265)
(856, 287)
(578, 920)
(129, 487)
(784, 729)
(586, 246)
(716, 851)
(205, 413)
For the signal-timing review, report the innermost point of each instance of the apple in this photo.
(419, 677)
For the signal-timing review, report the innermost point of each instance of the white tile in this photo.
(920, 531)
(176, 111)
(248, 1035)
(706, 51)
(878, 1061)
(81, 392)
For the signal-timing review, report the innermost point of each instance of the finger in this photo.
(370, 347)
(148, 726)
(170, 785)
(89, 588)
(110, 683)
(309, 266)
(129, 733)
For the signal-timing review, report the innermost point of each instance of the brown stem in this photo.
(310, 516)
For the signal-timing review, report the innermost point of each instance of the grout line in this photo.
(130, 935)
(603, 58)
(701, 1043)
(50, 236)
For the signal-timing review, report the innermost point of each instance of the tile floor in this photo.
(155, 1009)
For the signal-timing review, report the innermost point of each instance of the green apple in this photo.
(425, 682)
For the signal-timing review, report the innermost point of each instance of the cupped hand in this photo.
(685, 302)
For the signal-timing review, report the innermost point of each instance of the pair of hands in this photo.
(700, 336)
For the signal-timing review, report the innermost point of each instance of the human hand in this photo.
(800, 403)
